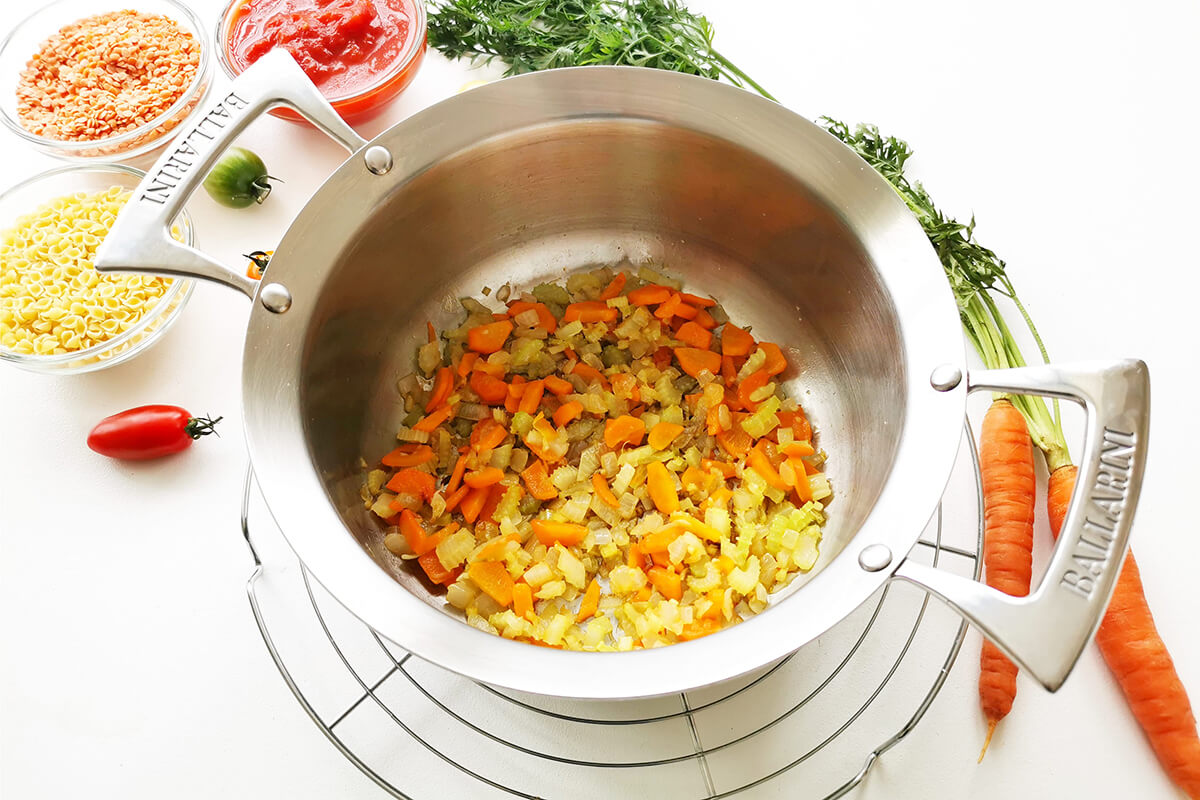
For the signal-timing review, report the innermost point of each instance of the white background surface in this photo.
(130, 665)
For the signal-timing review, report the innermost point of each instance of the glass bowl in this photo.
(363, 103)
(26, 197)
(25, 39)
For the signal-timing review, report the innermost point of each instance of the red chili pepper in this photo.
(148, 432)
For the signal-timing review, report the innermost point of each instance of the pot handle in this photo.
(140, 239)
(1045, 633)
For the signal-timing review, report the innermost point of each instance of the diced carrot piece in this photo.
(493, 578)
(545, 316)
(495, 549)
(625, 429)
(694, 477)
(434, 569)
(735, 341)
(699, 628)
(487, 435)
(615, 287)
(590, 374)
(798, 449)
(603, 491)
(567, 412)
(549, 532)
(661, 484)
(466, 363)
(407, 455)
(716, 609)
(557, 385)
(801, 427)
(776, 363)
(662, 434)
(757, 460)
(516, 390)
(668, 308)
(414, 533)
(726, 469)
(692, 334)
(590, 603)
(456, 497)
(531, 396)
(662, 358)
(624, 386)
(705, 320)
(635, 557)
(735, 442)
(697, 301)
(413, 481)
(491, 390)
(667, 581)
(803, 490)
(495, 495)
(473, 503)
(650, 295)
(489, 338)
(662, 559)
(488, 368)
(522, 599)
(430, 331)
(713, 420)
(693, 360)
(479, 478)
(749, 386)
(429, 423)
(590, 311)
(443, 384)
(547, 442)
(537, 481)
(456, 475)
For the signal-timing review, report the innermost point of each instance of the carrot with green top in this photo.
(1127, 637)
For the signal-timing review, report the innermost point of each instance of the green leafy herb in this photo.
(532, 35)
(976, 275)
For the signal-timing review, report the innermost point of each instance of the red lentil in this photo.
(105, 75)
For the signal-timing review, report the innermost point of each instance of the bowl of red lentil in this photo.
(57, 313)
(84, 80)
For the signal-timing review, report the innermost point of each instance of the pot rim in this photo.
(905, 263)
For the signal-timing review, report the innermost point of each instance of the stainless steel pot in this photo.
(528, 178)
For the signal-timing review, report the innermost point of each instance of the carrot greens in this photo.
(532, 35)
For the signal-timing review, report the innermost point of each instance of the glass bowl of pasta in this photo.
(57, 313)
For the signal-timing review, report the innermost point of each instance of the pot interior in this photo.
(540, 202)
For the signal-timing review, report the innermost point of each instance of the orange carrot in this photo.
(567, 412)
(1138, 659)
(489, 338)
(662, 434)
(1006, 467)
(615, 287)
(413, 481)
(487, 435)
(493, 578)
(495, 495)
(431, 331)
(726, 469)
(693, 360)
(776, 363)
(705, 320)
(590, 603)
(735, 341)
(531, 396)
(624, 430)
(537, 481)
(548, 532)
(494, 550)
(522, 599)
(456, 475)
(751, 385)
(434, 569)
(557, 385)
(480, 478)
(466, 363)
(650, 295)
(407, 455)
(667, 581)
(603, 491)
(516, 390)
(429, 423)
(696, 300)
(443, 384)
(457, 496)
(701, 627)
(624, 386)
(473, 503)
(590, 374)
(668, 308)
(661, 484)
(735, 442)
(694, 335)
(590, 311)
(545, 317)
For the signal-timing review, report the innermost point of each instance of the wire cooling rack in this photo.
(810, 725)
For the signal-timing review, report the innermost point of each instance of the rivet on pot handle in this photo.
(140, 239)
(1045, 633)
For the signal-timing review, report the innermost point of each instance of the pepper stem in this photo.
(261, 188)
(202, 426)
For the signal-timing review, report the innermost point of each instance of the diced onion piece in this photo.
(454, 549)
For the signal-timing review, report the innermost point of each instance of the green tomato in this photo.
(239, 179)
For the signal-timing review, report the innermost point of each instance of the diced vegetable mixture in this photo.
(607, 464)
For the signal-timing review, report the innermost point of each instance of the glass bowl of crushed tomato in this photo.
(359, 53)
